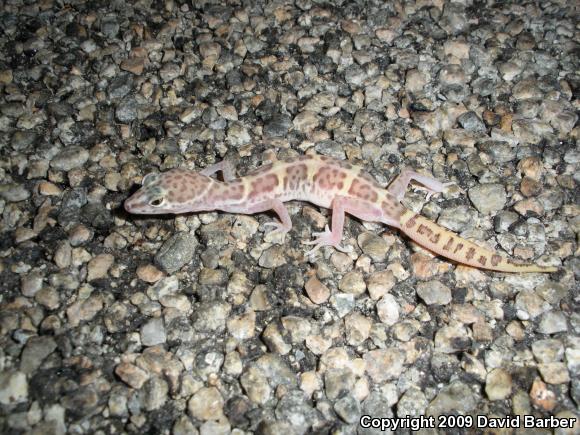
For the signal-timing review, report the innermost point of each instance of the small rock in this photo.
(552, 322)
(498, 384)
(554, 372)
(380, 283)
(149, 273)
(153, 332)
(548, 350)
(273, 257)
(316, 291)
(242, 327)
(384, 364)
(353, 283)
(306, 121)
(13, 387)
(14, 192)
(35, 351)
(541, 396)
(132, 375)
(388, 310)
(206, 404)
(99, 266)
(434, 293)
(134, 65)
(176, 252)
(70, 158)
(488, 198)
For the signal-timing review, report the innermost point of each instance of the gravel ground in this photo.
(112, 323)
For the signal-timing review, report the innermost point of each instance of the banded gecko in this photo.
(320, 180)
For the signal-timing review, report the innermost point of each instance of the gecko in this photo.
(325, 182)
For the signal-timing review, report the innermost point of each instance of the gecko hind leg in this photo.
(399, 185)
(285, 223)
(340, 205)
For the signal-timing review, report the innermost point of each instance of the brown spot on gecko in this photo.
(448, 245)
(495, 259)
(263, 184)
(436, 238)
(411, 222)
(482, 260)
(363, 190)
(458, 248)
(470, 254)
(424, 230)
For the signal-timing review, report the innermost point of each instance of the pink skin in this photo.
(322, 181)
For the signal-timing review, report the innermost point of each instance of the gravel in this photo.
(203, 324)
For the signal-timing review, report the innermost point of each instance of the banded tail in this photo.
(450, 245)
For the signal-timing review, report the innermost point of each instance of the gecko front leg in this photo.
(225, 166)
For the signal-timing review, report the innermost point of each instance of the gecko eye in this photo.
(157, 202)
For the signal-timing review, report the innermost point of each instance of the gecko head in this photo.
(175, 191)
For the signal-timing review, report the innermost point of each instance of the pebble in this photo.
(14, 192)
(70, 158)
(149, 273)
(380, 283)
(434, 293)
(554, 372)
(99, 266)
(316, 290)
(498, 384)
(153, 332)
(353, 283)
(13, 387)
(541, 396)
(388, 310)
(455, 397)
(132, 375)
(176, 252)
(35, 351)
(488, 198)
(451, 339)
(384, 364)
(552, 322)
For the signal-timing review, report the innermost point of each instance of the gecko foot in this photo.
(431, 192)
(325, 238)
(279, 228)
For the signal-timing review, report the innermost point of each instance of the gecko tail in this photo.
(450, 245)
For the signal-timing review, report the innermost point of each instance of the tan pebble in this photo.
(46, 188)
(63, 255)
(529, 205)
(531, 167)
(515, 330)
(316, 291)
(425, 267)
(99, 266)
(506, 123)
(131, 375)
(6, 76)
(149, 273)
(541, 396)
(23, 234)
(134, 65)
(530, 187)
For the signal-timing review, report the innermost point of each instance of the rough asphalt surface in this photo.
(113, 323)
